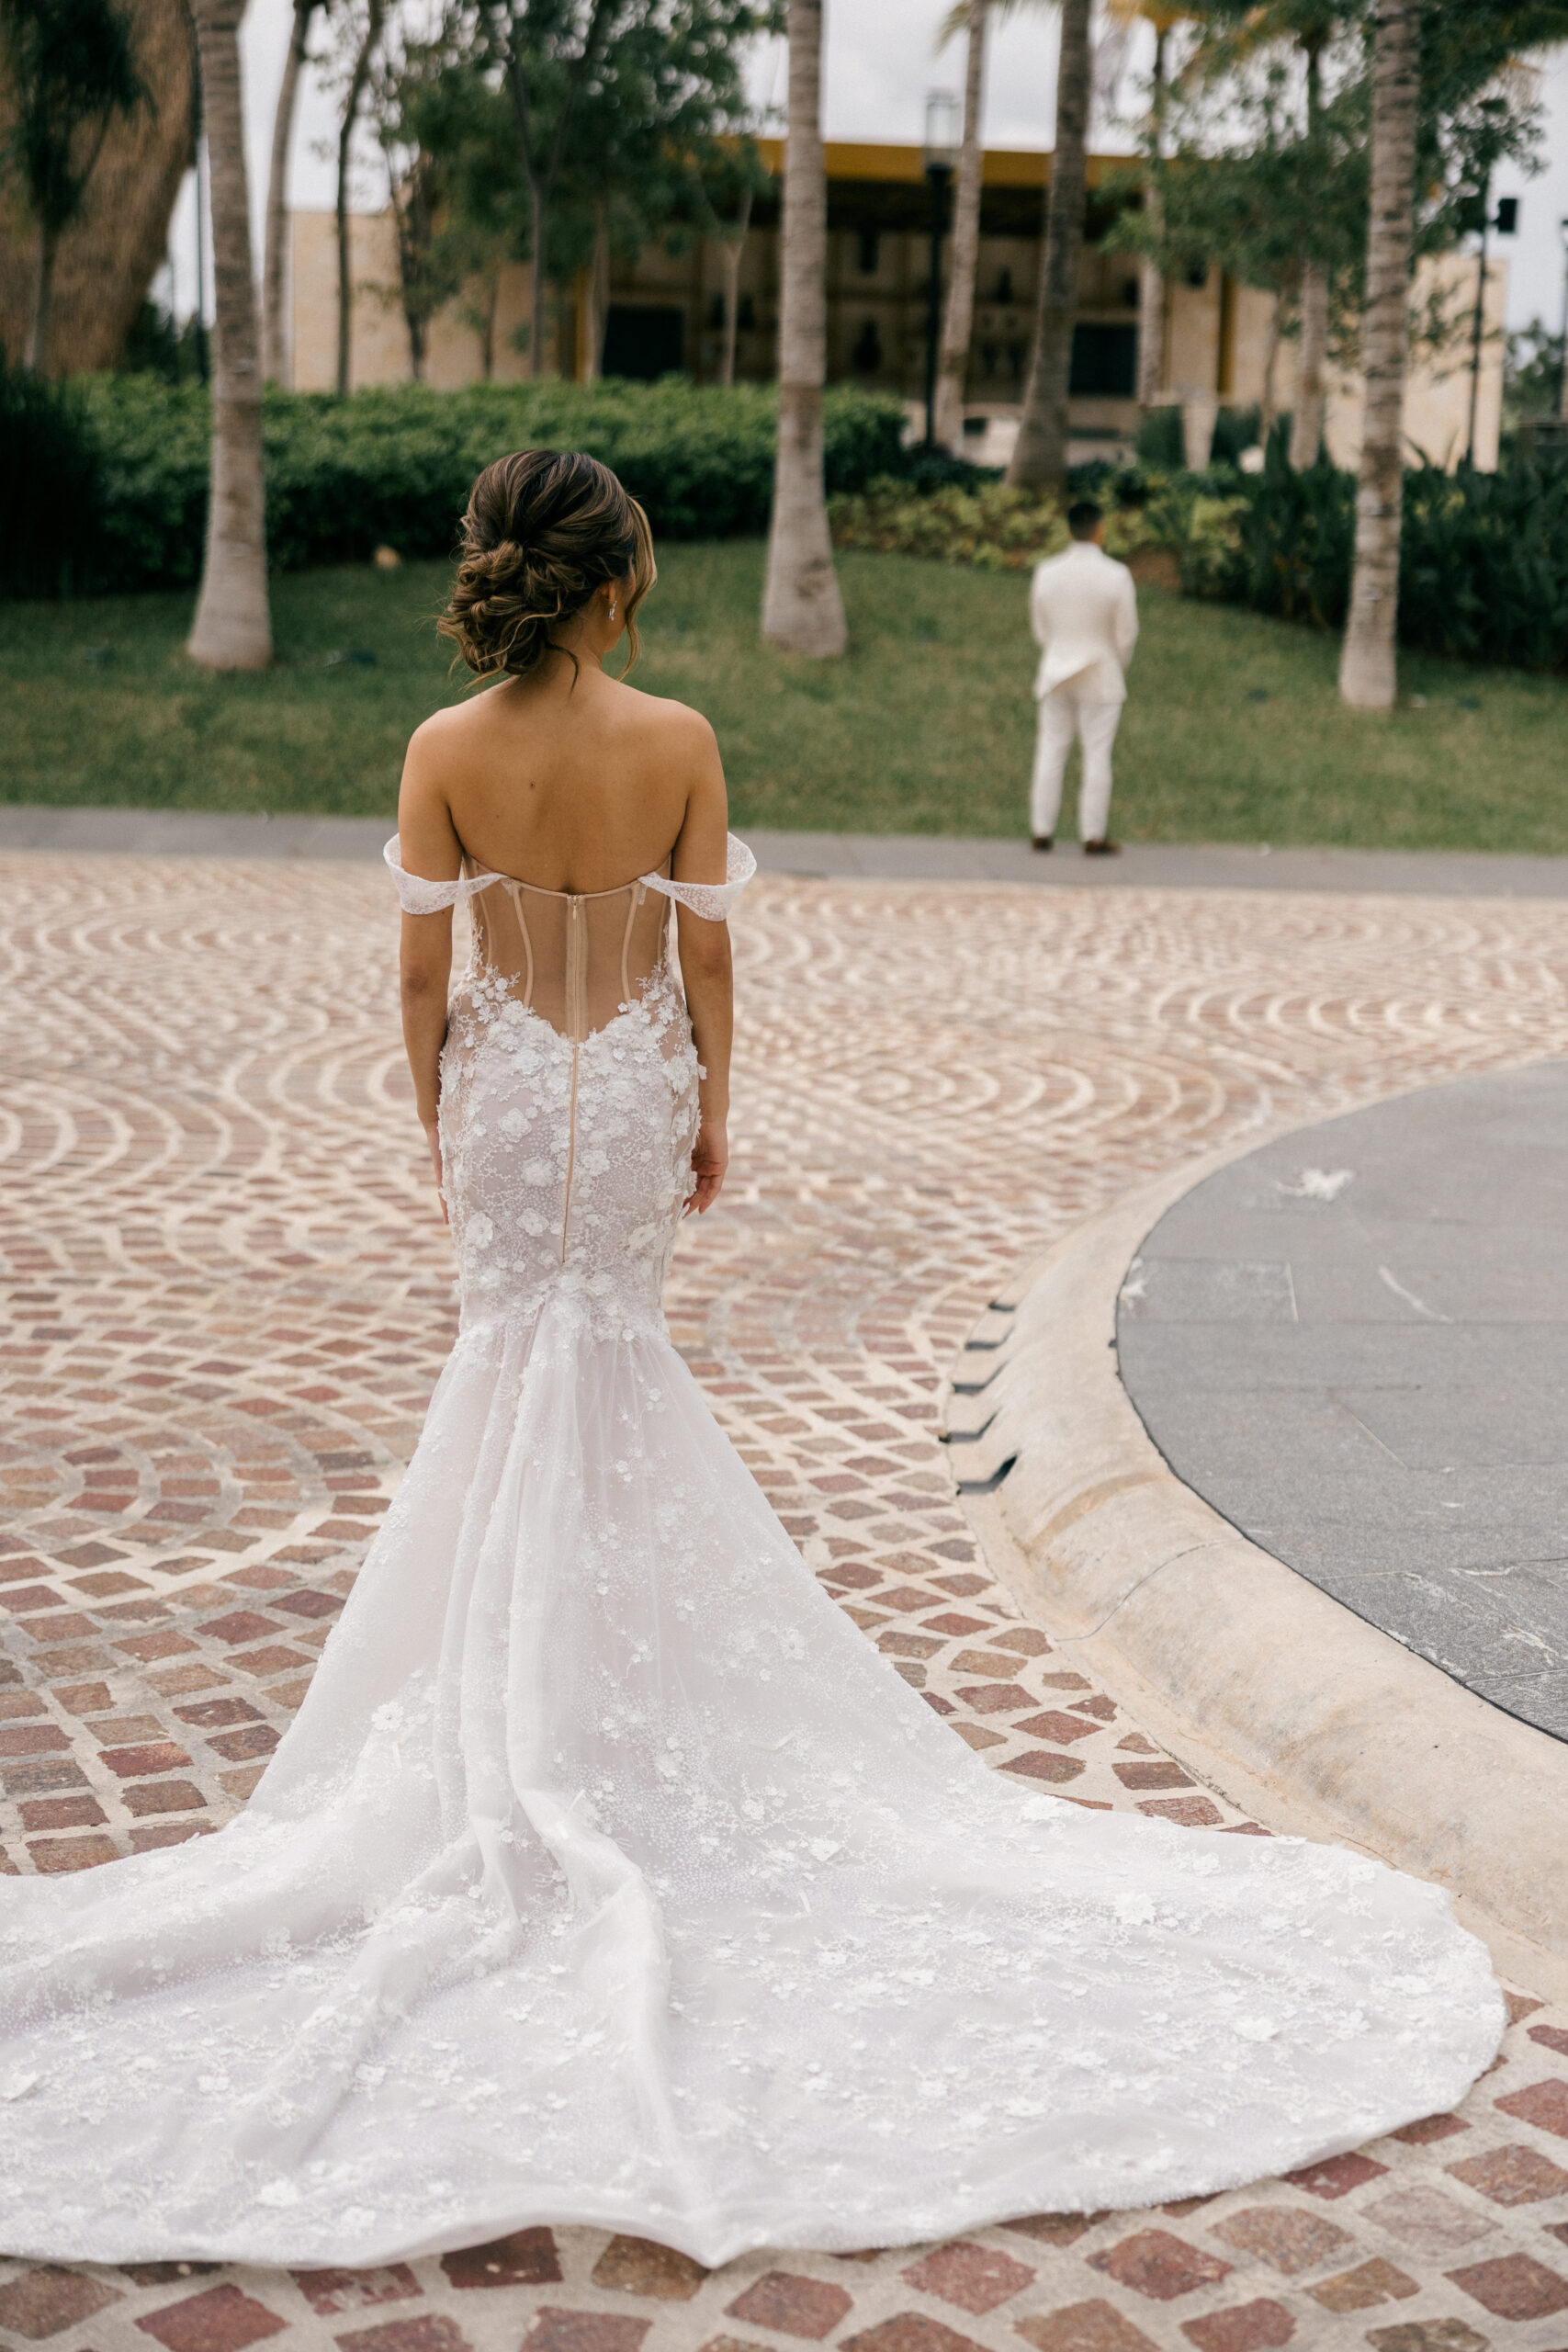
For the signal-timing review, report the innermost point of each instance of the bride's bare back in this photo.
(567, 781)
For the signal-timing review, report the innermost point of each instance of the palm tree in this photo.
(72, 68)
(233, 629)
(1367, 670)
(275, 336)
(801, 604)
(958, 320)
(1040, 453)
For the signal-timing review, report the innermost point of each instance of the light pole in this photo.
(1506, 223)
(943, 121)
(1562, 366)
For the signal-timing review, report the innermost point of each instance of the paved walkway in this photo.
(226, 1296)
(887, 857)
(1354, 1343)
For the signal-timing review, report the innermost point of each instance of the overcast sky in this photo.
(881, 63)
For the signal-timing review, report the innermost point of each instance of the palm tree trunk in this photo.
(732, 247)
(233, 629)
(1306, 422)
(38, 330)
(1151, 285)
(275, 333)
(1367, 662)
(958, 321)
(357, 81)
(1040, 454)
(801, 604)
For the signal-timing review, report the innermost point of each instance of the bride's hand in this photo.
(433, 1137)
(710, 1158)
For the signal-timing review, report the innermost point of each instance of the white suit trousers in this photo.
(1062, 715)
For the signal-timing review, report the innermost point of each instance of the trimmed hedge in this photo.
(393, 466)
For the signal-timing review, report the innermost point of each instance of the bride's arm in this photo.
(706, 972)
(428, 846)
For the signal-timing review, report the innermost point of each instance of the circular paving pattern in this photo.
(226, 1295)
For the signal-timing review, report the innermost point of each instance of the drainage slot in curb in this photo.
(987, 1486)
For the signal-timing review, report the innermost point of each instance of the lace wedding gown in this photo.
(608, 1875)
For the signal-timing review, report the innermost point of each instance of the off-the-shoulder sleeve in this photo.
(712, 900)
(418, 896)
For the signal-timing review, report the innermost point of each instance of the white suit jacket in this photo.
(1084, 614)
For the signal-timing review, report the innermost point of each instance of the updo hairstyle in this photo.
(543, 529)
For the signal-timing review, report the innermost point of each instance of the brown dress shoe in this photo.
(1042, 841)
(1102, 849)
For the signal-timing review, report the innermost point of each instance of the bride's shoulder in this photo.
(666, 726)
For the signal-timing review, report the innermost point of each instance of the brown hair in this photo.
(543, 529)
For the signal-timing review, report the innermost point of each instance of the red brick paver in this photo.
(225, 1300)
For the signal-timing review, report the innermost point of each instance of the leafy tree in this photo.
(72, 64)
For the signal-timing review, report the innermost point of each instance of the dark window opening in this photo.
(1105, 361)
(866, 357)
(1130, 293)
(870, 251)
(746, 316)
(988, 357)
(1004, 286)
(1017, 353)
(642, 342)
(1197, 275)
(973, 427)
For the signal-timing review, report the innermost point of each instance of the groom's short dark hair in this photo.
(1084, 518)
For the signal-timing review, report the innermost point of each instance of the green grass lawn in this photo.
(1234, 731)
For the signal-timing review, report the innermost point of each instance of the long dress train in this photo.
(608, 1875)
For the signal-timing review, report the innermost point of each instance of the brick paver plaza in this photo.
(228, 1295)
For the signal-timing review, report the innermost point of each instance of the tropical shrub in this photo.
(393, 466)
(49, 487)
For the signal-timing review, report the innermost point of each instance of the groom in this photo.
(1084, 614)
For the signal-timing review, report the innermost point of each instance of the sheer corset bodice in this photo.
(576, 958)
(569, 1089)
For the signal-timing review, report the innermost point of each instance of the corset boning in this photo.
(569, 1105)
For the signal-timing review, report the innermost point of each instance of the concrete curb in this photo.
(1297, 1708)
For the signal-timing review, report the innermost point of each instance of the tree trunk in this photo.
(958, 321)
(801, 604)
(487, 330)
(1040, 453)
(1366, 671)
(274, 277)
(537, 284)
(733, 249)
(357, 81)
(233, 629)
(1151, 285)
(37, 329)
(1268, 408)
(1306, 422)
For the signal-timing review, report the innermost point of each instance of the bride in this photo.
(607, 1875)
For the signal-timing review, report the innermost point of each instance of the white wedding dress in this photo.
(608, 1875)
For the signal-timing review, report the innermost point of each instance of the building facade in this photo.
(665, 312)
